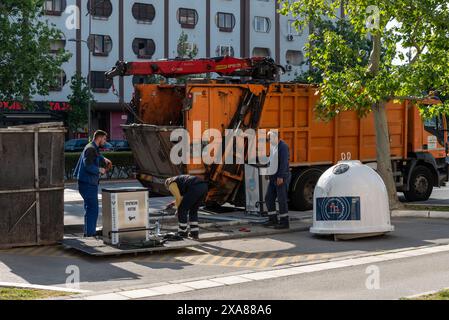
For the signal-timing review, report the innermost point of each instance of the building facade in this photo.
(149, 30)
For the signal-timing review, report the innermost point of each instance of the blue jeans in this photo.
(281, 193)
(90, 196)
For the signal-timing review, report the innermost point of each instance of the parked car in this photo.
(107, 147)
(77, 145)
(120, 145)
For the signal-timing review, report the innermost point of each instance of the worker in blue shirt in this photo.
(90, 166)
(279, 184)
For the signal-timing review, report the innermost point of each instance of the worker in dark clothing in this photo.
(90, 166)
(278, 186)
(189, 193)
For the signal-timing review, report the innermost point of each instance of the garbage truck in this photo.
(256, 100)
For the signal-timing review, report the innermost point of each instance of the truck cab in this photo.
(427, 164)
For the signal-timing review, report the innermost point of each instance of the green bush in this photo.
(121, 160)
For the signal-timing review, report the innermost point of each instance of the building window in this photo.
(144, 48)
(57, 45)
(100, 45)
(100, 8)
(99, 83)
(187, 18)
(262, 24)
(143, 12)
(291, 29)
(59, 82)
(224, 51)
(54, 7)
(261, 52)
(294, 57)
(225, 21)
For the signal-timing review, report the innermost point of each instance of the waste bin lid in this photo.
(124, 190)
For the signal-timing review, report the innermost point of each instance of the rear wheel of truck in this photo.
(303, 186)
(420, 184)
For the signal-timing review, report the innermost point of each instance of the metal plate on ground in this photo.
(95, 247)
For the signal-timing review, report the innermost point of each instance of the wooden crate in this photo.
(32, 185)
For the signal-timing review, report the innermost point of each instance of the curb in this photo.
(420, 214)
(228, 279)
(424, 294)
(41, 287)
(103, 182)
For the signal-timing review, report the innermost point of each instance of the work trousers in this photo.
(281, 194)
(188, 209)
(90, 196)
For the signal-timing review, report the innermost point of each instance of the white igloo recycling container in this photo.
(351, 201)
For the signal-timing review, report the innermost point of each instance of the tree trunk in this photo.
(383, 152)
(384, 167)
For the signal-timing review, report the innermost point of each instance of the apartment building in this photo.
(143, 30)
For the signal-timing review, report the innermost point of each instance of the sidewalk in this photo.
(226, 248)
(430, 214)
(48, 265)
(71, 193)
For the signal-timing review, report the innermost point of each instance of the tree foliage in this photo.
(418, 65)
(342, 27)
(77, 118)
(362, 80)
(184, 49)
(27, 66)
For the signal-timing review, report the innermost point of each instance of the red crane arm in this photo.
(256, 67)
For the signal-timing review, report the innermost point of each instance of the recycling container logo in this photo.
(338, 209)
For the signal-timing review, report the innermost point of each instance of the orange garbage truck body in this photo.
(418, 149)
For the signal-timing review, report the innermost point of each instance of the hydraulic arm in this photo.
(260, 68)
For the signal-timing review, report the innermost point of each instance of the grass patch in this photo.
(442, 295)
(421, 207)
(29, 294)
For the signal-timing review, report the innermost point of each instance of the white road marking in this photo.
(290, 270)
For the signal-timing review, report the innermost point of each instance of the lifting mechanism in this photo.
(224, 179)
(258, 68)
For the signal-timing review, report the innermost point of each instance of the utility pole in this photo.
(89, 77)
(90, 46)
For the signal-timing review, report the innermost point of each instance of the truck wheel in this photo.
(420, 184)
(301, 196)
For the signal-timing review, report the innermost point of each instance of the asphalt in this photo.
(397, 279)
(48, 265)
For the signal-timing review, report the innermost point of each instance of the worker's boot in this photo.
(284, 223)
(272, 220)
(182, 234)
(195, 235)
(182, 230)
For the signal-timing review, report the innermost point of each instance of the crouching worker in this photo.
(189, 193)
